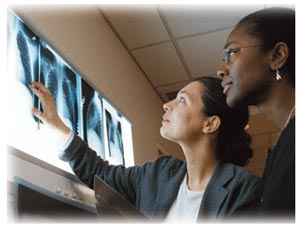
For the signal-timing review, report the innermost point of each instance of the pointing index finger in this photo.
(39, 86)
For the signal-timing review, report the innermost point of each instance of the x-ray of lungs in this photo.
(62, 83)
(114, 135)
(23, 68)
(84, 110)
(92, 109)
(23, 60)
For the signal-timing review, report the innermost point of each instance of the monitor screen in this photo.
(84, 110)
(35, 204)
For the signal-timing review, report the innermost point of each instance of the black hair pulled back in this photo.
(233, 142)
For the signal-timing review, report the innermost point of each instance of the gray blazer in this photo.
(153, 186)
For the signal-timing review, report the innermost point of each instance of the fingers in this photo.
(46, 100)
(43, 93)
(35, 90)
(40, 87)
(49, 115)
(37, 113)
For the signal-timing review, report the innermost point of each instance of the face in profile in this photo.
(245, 69)
(183, 118)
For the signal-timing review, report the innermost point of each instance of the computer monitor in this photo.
(36, 204)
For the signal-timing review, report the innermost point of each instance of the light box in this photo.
(84, 110)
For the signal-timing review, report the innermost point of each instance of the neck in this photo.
(201, 161)
(279, 107)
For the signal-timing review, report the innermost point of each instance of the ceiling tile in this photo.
(203, 54)
(161, 64)
(186, 20)
(136, 25)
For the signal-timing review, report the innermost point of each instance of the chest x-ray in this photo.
(24, 66)
(62, 83)
(114, 134)
(82, 109)
(92, 109)
(23, 61)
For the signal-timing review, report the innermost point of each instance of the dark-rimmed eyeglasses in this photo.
(230, 52)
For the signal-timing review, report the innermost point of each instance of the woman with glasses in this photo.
(259, 69)
(209, 185)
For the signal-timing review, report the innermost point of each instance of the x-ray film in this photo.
(114, 135)
(85, 111)
(24, 61)
(61, 81)
(92, 109)
(23, 58)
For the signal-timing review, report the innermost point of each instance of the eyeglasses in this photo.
(230, 52)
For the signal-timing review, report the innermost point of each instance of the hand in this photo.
(49, 116)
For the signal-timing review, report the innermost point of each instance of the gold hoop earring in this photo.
(278, 76)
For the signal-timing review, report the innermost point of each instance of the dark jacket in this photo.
(276, 191)
(153, 186)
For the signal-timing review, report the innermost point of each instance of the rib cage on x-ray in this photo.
(28, 65)
(79, 105)
(26, 46)
(94, 125)
(61, 82)
(115, 142)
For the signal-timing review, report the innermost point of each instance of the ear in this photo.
(211, 125)
(279, 56)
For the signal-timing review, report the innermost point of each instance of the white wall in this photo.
(81, 35)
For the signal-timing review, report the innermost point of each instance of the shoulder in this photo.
(241, 190)
(244, 173)
(232, 176)
(160, 169)
(242, 176)
(235, 170)
(164, 162)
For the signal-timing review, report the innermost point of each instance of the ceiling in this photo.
(173, 44)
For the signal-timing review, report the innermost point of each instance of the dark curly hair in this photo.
(233, 142)
(270, 26)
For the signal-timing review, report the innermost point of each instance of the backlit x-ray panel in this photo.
(61, 81)
(84, 110)
(114, 136)
(24, 66)
(93, 115)
(23, 57)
